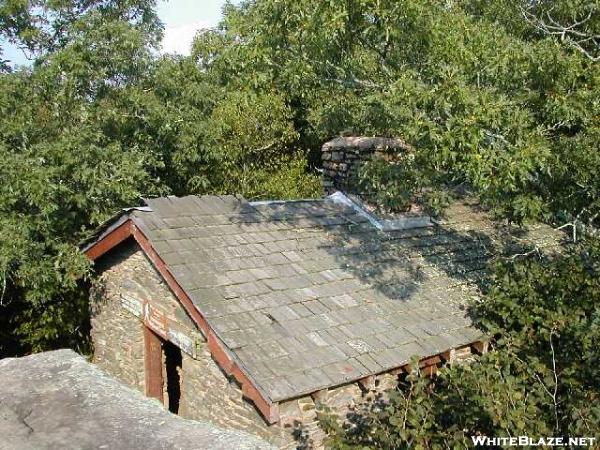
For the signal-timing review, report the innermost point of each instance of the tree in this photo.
(487, 99)
(41, 27)
(96, 123)
(221, 140)
(61, 171)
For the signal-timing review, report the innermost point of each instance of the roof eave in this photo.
(116, 233)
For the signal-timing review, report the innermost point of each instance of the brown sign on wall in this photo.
(155, 320)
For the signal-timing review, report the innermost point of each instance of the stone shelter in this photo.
(252, 314)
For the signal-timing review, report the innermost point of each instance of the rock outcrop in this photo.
(57, 400)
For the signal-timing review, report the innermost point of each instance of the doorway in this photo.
(173, 362)
(163, 369)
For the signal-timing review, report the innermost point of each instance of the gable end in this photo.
(125, 228)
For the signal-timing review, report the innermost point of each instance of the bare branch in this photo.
(586, 43)
(352, 80)
(531, 252)
(578, 224)
(555, 393)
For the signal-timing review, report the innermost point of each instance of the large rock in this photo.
(57, 400)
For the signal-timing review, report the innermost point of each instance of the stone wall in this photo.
(209, 395)
(117, 335)
(342, 158)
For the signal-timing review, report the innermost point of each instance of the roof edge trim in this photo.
(110, 238)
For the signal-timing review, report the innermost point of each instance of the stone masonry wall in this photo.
(117, 335)
(209, 395)
(342, 158)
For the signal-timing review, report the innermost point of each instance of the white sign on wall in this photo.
(132, 304)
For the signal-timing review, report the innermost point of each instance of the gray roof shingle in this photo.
(309, 295)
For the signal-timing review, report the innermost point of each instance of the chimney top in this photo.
(343, 156)
(342, 160)
(365, 143)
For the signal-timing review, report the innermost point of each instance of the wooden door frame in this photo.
(153, 365)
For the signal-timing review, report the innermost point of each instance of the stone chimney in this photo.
(343, 156)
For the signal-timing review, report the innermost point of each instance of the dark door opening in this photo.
(173, 362)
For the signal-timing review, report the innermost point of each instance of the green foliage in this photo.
(542, 379)
(98, 122)
(489, 98)
(390, 187)
(399, 184)
(61, 172)
(487, 93)
(40, 27)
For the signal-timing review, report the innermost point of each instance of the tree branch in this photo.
(584, 42)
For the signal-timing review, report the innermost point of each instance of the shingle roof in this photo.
(308, 294)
